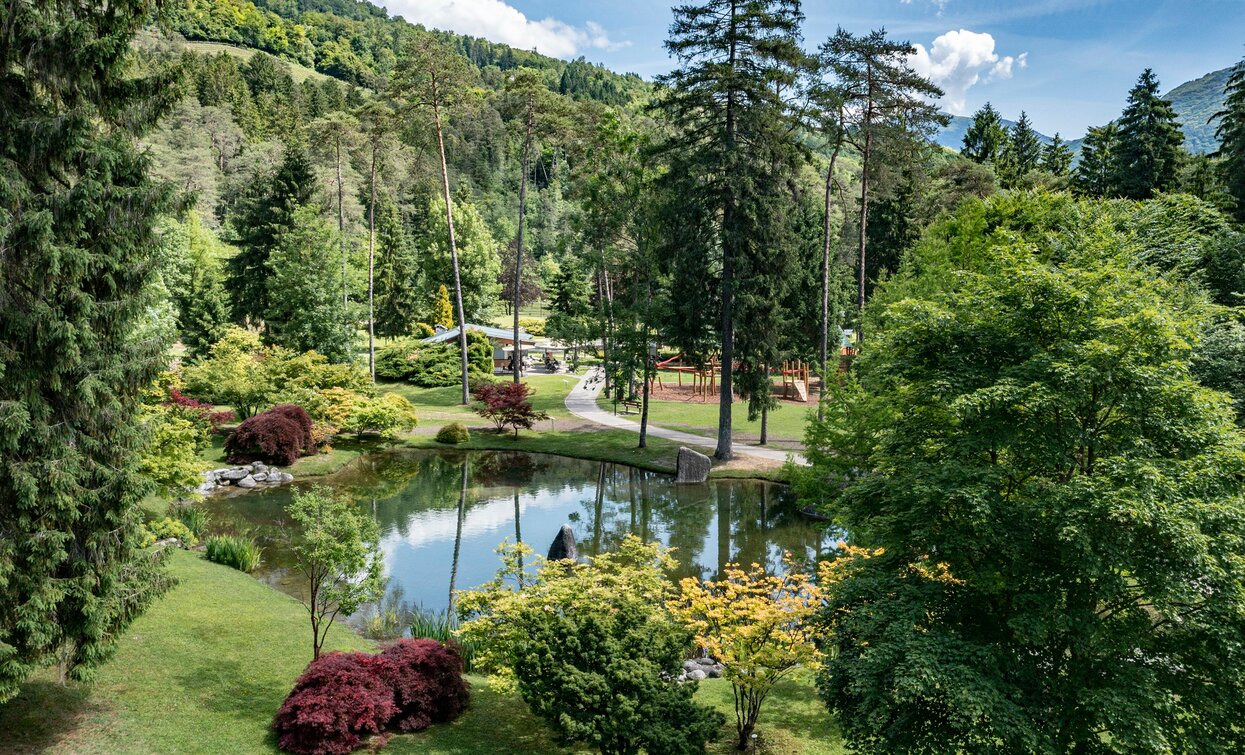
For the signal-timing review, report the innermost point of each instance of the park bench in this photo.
(628, 405)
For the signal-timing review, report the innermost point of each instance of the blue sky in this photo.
(1069, 63)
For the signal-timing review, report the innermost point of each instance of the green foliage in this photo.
(194, 517)
(1148, 153)
(592, 649)
(478, 260)
(170, 458)
(306, 311)
(1023, 152)
(195, 279)
(398, 285)
(241, 553)
(1032, 436)
(1094, 170)
(1057, 156)
(1219, 363)
(434, 365)
(77, 215)
(265, 213)
(387, 415)
(442, 310)
(453, 433)
(165, 529)
(339, 555)
(442, 626)
(986, 138)
(1231, 134)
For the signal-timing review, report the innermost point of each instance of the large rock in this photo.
(692, 466)
(233, 474)
(563, 546)
(247, 482)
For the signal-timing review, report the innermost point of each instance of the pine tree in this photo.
(1231, 135)
(305, 310)
(986, 137)
(201, 300)
(1023, 151)
(1057, 157)
(724, 100)
(78, 259)
(264, 215)
(1093, 172)
(1148, 153)
(397, 274)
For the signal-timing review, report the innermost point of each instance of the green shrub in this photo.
(193, 517)
(532, 326)
(453, 433)
(423, 330)
(386, 416)
(166, 528)
(241, 553)
(434, 365)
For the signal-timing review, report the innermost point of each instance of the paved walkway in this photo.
(582, 402)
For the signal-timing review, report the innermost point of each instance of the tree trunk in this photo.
(866, 154)
(371, 274)
(765, 422)
(726, 396)
(341, 221)
(458, 284)
(825, 282)
(518, 258)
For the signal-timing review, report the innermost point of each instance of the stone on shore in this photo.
(692, 466)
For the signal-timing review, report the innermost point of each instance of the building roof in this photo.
(496, 334)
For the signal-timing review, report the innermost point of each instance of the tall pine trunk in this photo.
(341, 220)
(518, 258)
(371, 273)
(726, 396)
(866, 155)
(458, 284)
(825, 282)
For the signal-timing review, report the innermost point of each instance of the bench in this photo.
(628, 405)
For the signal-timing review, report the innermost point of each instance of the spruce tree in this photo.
(986, 137)
(397, 274)
(264, 215)
(1057, 156)
(78, 259)
(735, 59)
(1231, 135)
(1148, 154)
(305, 308)
(1093, 172)
(202, 304)
(1023, 152)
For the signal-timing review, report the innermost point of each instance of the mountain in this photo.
(1195, 102)
(952, 135)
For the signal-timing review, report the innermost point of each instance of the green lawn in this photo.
(785, 423)
(206, 668)
(441, 405)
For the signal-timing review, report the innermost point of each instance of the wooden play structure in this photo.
(703, 381)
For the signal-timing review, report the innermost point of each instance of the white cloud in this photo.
(940, 4)
(496, 21)
(959, 60)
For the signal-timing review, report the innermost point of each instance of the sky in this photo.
(1068, 63)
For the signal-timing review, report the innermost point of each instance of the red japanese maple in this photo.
(507, 404)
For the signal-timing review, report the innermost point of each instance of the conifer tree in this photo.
(265, 214)
(1093, 172)
(305, 310)
(1057, 156)
(397, 274)
(78, 258)
(735, 59)
(196, 283)
(1023, 152)
(433, 77)
(1148, 153)
(442, 310)
(986, 137)
(1231, 135)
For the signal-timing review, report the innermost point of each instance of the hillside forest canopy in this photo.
(1029, 354)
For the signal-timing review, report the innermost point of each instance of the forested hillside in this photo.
(1196, 103)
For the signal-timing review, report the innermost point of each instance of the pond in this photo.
(442, 514)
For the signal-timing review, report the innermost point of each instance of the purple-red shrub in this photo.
(300, 417)
(338, 701)
(272, 436)
(427, 682)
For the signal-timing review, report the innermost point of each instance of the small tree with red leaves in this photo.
(507, 404)
(278, 436)
(340, 699)
(427, 681)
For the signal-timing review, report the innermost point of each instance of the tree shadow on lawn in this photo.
(230, 688)
(46, 715)
(494, 723)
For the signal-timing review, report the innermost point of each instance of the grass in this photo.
(785, 423)
(440, 405)
(205, 669)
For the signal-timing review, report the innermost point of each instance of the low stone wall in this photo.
(246, 476)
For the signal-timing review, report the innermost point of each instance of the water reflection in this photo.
(442, 514)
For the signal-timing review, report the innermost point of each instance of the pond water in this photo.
(442, 514)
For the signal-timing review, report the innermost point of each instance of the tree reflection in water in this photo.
(443, 513)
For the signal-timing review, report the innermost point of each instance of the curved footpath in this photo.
(582, 402)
